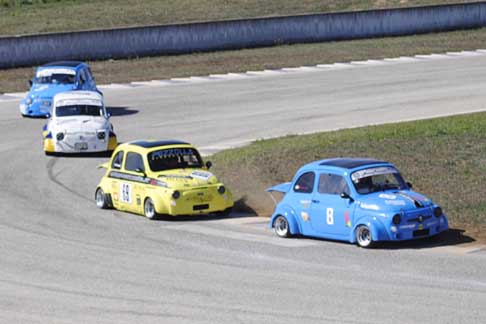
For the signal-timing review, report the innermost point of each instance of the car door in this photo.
(300, 199)
(133, 184)
(330, 213)
(116, 176)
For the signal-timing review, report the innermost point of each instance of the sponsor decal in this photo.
(407, 226)
(305, 203)
(201, 175)
(372, 172)
(369, 206)
(171, 152)
(129, 177)
(346, 219)
(305, 216)
(49, 72)
(395, 202)
(387, 196)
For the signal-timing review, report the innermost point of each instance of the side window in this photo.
(117, 161)
(332, 184)
(305, 183)
(134, 162)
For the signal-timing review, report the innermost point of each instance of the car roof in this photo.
(72, 64)
(156, 143)
(343, 164)
(74, 95)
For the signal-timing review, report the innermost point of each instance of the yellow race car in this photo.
(154, 178)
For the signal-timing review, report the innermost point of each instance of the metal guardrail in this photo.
(236, 34)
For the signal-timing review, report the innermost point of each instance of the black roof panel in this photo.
(64, 63)
(150, 144)
(350, 163)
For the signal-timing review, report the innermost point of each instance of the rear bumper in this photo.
(196, 202)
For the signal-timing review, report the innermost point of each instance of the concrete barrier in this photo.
(236, 34)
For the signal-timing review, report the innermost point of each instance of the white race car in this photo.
(79, 124)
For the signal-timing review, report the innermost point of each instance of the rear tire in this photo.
(363, 236)
(101, 199)
(149, 209)
(281, 227)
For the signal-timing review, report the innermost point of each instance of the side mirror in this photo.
(138, 170)
(108, 115)
(209, 164)
(30, 83)
(409, 185)
(345, 195)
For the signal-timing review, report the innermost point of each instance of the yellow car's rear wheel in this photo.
(101, 199)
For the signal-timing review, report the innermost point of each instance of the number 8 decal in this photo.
(330, 216)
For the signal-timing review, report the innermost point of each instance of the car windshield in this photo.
(174, 158)
(77, 110)
(377, 179)
(56, 79)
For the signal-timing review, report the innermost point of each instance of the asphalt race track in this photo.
(64, 261)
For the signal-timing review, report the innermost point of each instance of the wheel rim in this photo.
(363, 236)
(281, 226)
(100, 198)
(149, 208)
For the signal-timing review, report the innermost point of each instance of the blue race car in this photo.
(51, 79)
(357, 200)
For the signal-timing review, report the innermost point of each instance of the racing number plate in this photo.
(83, 146)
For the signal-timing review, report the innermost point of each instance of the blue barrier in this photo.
(236, 34)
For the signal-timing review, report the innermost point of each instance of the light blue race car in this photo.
(357, 200)
(51, 79)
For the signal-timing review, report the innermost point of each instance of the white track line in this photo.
(249, 74)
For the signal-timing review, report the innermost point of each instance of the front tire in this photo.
(149, 209)
(363, 236)
(281, 227)
(101, 199)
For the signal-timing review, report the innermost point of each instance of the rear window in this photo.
(174, 158)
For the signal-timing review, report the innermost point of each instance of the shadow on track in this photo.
(453, 236)
(121, 111)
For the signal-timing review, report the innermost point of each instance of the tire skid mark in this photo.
(53, 177)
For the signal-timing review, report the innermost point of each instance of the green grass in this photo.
(39, 16)
(444, 158)
(164, 67)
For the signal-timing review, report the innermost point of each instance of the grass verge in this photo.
(444, 158)
(164, 67)
(40, 16)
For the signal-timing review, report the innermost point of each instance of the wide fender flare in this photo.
(378, 229)
(289, 213)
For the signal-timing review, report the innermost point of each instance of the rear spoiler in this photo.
(283, 188)
(105, 165)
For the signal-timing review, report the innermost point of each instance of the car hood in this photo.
(391, 201)
(187, 178)
(80, 123)
(49, 90)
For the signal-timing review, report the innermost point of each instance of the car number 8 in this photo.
(330, 216)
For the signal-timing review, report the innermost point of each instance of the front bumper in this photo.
(412, 231)
(34, 110)
(76, 144)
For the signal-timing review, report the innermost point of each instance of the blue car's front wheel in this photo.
(281, 227)
(363, 236)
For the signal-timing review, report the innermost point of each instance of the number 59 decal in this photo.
(126, 193)
(330, 216)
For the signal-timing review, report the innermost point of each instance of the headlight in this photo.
(437, 211)
(28, 101)
(176, 194)
(60, 136)
(396, 219)
(221, 189)
(101, 135)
